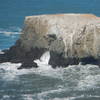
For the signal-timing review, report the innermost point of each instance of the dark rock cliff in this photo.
(70, 38)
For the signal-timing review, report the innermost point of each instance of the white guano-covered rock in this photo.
(74, 35)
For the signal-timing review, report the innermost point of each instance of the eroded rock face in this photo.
(74, 35)
(70, 38)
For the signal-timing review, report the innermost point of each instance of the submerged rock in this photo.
(70, 38)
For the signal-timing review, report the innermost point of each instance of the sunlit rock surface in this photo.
(74, 35)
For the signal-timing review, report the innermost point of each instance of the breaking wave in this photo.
(10, 30)
(75, 82)
(1, 52)
(8, 36)
(73, 79)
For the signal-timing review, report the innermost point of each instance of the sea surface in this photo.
(44, 83)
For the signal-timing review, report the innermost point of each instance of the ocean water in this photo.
(44, 83)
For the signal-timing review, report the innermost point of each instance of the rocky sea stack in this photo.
(70, 38)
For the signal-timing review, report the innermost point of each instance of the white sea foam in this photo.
(83, 77)
(86, 77)
(77, 97)
(31, 97)
(9, 33)
(5, 97)
(89, 82)
(1, 52)
(44, 94)
(10, 30)
(28, 97)
(8, 71)
(67, 98)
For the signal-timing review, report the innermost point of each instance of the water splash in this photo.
(43, 62)
(1, 52)
(8, 71)
(10, 30)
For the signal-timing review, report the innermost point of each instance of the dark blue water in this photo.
(13, 12)
(73, 83)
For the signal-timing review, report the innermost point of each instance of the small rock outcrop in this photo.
(70, 38)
